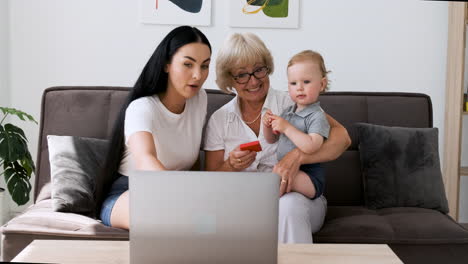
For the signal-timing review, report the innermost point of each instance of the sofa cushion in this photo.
(401, 167)
(75, 162)
(399, 225)
(41, 219)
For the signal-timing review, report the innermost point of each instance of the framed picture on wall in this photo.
(264, 13)
(176, 12)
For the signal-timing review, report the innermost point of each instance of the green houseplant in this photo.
(15, 159)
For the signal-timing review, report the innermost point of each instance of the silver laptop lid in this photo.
(203, 217)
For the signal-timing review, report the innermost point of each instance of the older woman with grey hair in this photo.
(243, 66)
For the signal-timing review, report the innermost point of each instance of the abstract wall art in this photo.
(264, 13)
(176, 12)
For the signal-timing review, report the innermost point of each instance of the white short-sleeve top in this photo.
(226, 130)
(177, 137)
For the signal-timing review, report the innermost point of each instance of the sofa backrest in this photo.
(85, 112)
(91, 112)
(344, 184)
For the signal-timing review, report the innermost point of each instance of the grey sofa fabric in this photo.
(401, 167)
(40, 221)
(417, 235)
(74, 164)
(396, 225)
(74, 111)
(344, 175)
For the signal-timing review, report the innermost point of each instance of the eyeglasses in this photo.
(244, 78)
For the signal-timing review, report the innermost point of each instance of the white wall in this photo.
(4, 89)
(369, 45)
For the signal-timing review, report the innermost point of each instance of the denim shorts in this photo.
(316, 174)
(118, 187)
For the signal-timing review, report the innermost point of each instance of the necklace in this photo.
(251, 122)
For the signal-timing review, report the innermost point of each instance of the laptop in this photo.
(203, 217)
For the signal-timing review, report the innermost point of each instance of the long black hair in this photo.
(153, 80)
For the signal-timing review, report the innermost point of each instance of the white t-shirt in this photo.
(226, 130)
(177, 137)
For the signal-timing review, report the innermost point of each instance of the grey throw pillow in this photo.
(401, 167)
(75, 162)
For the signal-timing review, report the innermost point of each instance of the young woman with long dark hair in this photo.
(167, 106)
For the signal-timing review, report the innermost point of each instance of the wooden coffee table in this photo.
(94, 251)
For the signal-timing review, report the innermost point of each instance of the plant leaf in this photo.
(18, 113)
(9, 171)
(15, 129)
(18, 184)
(13, 145)
(28, 164)
(16, 158)
(30, 118)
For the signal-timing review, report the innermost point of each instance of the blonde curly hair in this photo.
(240, 49)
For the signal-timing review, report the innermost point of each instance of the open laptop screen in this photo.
(203, 217)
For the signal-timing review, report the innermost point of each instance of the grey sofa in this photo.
(416, 235)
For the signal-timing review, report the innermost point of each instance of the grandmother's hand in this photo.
(287, 168)
(241, 159)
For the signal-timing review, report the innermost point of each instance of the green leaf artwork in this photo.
(271, 8)
(261, 2)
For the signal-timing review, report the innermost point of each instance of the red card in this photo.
(254, 146)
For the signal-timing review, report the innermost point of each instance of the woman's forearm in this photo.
(305, 142)
(214, 161)
(225, 166)
(337, 142)
(148, 163)
(329, 151)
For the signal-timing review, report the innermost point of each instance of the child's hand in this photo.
(267, 118)
(279, 124)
